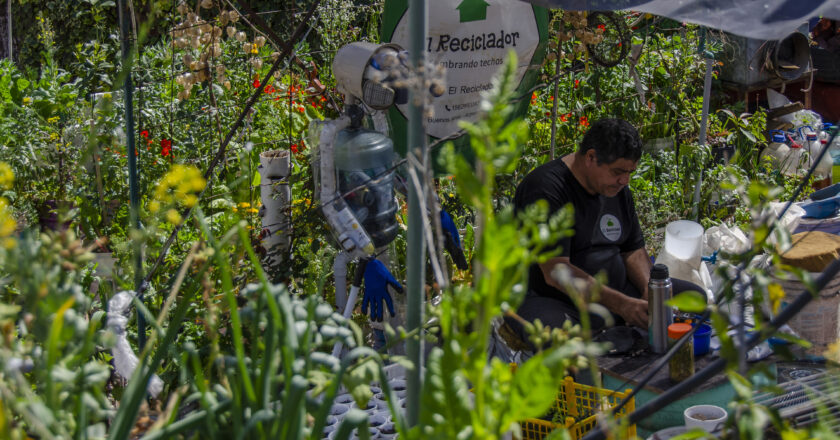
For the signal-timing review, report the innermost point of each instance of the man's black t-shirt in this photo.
(604, 227)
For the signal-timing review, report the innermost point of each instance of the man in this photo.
(607, 235)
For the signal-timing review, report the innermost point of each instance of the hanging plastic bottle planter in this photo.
(275, 195)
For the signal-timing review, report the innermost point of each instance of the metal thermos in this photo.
(660, 315)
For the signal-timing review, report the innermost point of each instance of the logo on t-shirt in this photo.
(610, 227)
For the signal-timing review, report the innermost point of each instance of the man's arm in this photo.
(633, 310)
(638, 265)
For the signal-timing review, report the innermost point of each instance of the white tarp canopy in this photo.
(760, 19)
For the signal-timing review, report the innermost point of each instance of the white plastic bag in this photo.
(724, 239)
(789, 222)
(125, 361)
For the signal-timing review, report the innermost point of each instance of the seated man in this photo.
(607, 235)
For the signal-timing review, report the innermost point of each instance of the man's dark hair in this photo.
(612, 139)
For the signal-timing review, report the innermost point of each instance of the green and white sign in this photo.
(470, 39)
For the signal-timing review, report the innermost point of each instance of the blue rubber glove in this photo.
(452, 242)
(377, 278)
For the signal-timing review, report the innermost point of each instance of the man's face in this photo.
(607, 178)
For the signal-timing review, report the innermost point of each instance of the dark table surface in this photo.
(632, 368)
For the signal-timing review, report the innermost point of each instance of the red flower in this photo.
(256, 82)
(577, 83)
(584, 122)
(301, 109)
(323, 99)
(276, 98)
(165, 147)
(150, 142)
(602, 27)
(548, 113)
(144, 133)
(564, 118)
(269, 89)
(533, 96)
(294, 148)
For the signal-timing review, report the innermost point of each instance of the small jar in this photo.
(681, 365)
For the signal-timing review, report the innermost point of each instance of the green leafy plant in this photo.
(504, 247)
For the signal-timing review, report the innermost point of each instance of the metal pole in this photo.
(704, 117)
(416, 252)
(9, 25)
(554, 106)
(134, 196)
(704, 120)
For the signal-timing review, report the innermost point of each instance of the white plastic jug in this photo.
(794, 161)
(682, 251)
(814, 146)
(824, 167)
(825, 133)
(778, 151)
(684, 240)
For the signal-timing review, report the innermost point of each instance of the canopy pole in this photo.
(416, 252)
(9, 26)
(554, 106)
(704, 119)
(134, 198)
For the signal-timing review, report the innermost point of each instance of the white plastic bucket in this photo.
(684, 239)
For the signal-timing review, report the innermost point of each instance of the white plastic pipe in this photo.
(340, 274)
(275, 195)
(348, 310)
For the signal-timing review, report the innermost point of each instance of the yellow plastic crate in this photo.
(578, 405)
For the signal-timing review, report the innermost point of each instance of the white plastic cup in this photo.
(709, 418)
(684, 239)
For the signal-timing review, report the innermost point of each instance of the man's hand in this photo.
(635, 312)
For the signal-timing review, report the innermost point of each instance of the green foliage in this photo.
(244, 356)
(54, 376)
(504, 248)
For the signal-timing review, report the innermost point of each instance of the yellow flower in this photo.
(106, 95)
(179, 185)
(9, 243)
(154, 206)
(190, 200)
(244, 205)
(7, 221)
(235, 210)
(27, 100)
(253, 210)
(776, 294)
(172, 216)
(52, 120)
(833, 352)
(7, 176)
(53, 136)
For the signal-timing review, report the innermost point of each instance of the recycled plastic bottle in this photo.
(681, 365)
(778, 151)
